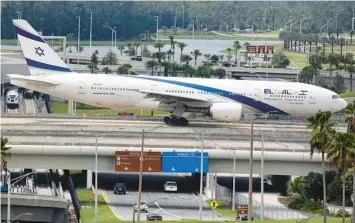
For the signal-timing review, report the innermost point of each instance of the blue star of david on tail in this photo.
(39, 51)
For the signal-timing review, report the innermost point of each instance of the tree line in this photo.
(339, 147)
(134, 18)
(163, 62)
(321, 52)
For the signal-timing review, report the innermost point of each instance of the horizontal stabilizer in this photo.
(37, 80)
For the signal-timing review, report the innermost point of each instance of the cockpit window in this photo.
(335, 96)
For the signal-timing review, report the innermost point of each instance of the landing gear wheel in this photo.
(175, 121)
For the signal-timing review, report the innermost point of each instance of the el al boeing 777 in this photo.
(222, 99)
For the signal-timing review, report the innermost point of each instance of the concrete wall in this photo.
(43, 208)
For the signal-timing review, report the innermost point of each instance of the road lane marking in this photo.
(158, 206)
(110, 205)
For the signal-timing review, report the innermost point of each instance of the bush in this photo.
(340, 213)
(307, 206)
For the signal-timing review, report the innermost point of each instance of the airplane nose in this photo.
(344, 104)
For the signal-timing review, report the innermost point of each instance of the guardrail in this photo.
(264, 118)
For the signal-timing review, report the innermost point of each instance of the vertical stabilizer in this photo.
(40, 57)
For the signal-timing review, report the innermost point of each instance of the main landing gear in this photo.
(176, 121)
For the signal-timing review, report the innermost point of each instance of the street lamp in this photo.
(157, 17)
(141, 171)
(301, 23)
(96, 173)
(193, 35)
(90, 30)
(78, 37)
(112, 30)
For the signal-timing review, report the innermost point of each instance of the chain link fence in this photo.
(274, 212)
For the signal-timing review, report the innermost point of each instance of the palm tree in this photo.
(332, 41)
(324, 40)
(350, 119)
(237, 47)
(121, 48)
(321, 130)
(186, 58)
(342, 43)
(246, 45)
(196, 53)
(5, 152)
(171, 42)
(310, 39)
(151, 65)
(181, 46)
(338, 149)
(349, 67)
(169, 53)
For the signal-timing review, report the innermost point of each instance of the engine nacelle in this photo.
(226, 111)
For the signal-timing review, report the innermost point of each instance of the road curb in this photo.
(109, 204)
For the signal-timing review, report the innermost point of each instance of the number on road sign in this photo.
(214, 204)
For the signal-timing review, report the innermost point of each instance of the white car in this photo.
(170, 186)
(144, 207)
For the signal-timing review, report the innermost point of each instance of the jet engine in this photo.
(226, 111)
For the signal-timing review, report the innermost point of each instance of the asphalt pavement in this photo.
(172, 206)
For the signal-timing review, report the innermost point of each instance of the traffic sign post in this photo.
(130, 161)
(91, 197)
(184, 162)
(214, 205)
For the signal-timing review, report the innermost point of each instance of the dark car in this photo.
(154, 217)
(243, 218)
(120, 188)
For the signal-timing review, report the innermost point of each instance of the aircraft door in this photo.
(258, 94)
(312, 99)
(82, 87)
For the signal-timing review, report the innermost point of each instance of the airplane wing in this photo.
(166, 96)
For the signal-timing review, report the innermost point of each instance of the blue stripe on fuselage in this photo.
(260, 106)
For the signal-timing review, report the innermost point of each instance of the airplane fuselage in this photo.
(117, 92)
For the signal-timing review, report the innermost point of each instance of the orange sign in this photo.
(130, 161)
(242, 209)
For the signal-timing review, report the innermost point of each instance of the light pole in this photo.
(96, 173)
(157, 17)
(183, 16)
(201, 174)
(90, 31)
(193, 35)
(301, 23)
(115, 36)
(78, 37)
(141, 172)
(250, 205)
(112, 30)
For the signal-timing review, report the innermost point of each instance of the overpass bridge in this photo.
(219, 161)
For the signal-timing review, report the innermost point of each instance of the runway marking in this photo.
(159, 208)
(109, 204)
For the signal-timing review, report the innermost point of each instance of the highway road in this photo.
(172, 206)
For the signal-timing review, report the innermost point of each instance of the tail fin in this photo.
(40, 57)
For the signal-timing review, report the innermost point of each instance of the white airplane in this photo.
(222, 99)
